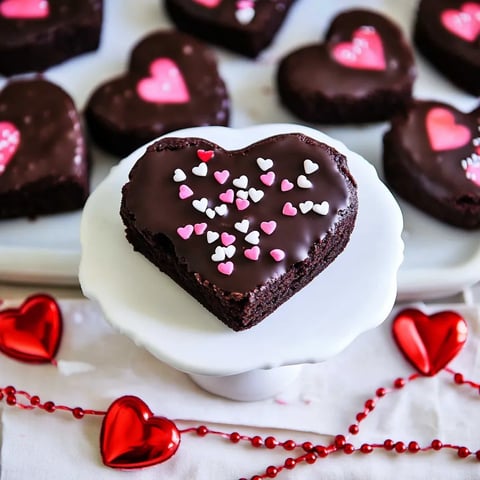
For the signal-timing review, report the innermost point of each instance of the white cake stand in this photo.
(354, 294)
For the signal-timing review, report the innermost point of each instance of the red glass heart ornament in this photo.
(132, 437)
(32, 332)
(429, 342)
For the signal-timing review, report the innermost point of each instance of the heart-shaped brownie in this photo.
(43, 155)
(243, 26)
(243, 230)
(432, 159)
(447, 33)
(363, 72)
(36, 34)
(172, 83)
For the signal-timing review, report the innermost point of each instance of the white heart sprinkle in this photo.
(321, 208)
(229, 251)
(221, 210)
(242, 226)
(304, 182)
(243, 194)
(305, 207)
(210, 212)
(253, 237)
(241, 182)
(200, 205)
(200, 170)
(245, 15)
(255, 195)
(179, 175)
(310, 166)
(264, 163)
(212, 236)
(219, 255)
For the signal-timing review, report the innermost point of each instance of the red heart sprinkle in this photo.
(32, 332)
(132, 437)
(429, 343)
(205, 155)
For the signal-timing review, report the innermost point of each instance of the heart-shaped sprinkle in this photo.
(200, 170)
(241, 203)
(185, 232)
(269, 227)
(265, 163)
(9, 142)
(242, 194)
(472, 170)
(286, 185)
(252, 253)
(230, 251)
(200, 205)
(132, 437)
(304, 182)
(179, 175)
(253, 237)
(464, 23)
(212, 236)
(255, 195)
(305, 207)
(221, 210)
(26, 9)
(221, 176)
(268, 178)
(184, 191)
(321, 208)
(289, 210)
(225, 268)
(277, 254)
(443, 132)
(200, 228)
(208, 3)
(227, 238)
(205, 155)
(309, 166)
(227, 196)
(166, 85)
(242, 226)
(241, 182)
(219, 255)
(210, 212)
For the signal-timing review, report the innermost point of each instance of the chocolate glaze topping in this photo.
(152, 197)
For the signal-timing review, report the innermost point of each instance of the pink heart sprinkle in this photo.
(225, 267)
(252, 253)
(241, 203)
(208, 3)
(184, 191)
(9, 142)
(444, 132)
(464, 23)
(221, 176)
(286, 185)
(289, 210)
(269, 227)
(200, 228)
(268, 178)
(277, 254)
(24, 9)
(227, 196)
(205, 155)
(185, 232)
(472, 172)
(227, 239)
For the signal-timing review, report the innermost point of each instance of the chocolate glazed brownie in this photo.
(37, 35)
(245, 229)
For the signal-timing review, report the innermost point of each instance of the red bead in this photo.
(340, 441)
(257, 477)
(477, 454)
(202, 430)
(307, 446)
(271, 442)
(78, 413)
(361, 416)
(400, 447)
(289, 445)
(271, 471)
(321, 451)
(366, 448)
(463, 452)
(413, 447)
(1, 395)
(234, 437)
(370, 404)
(10, 390)
(399, 383)
(310, 458)
(35, 400)
(388, 444)
(353, 429)
(49, 407)
(437, 444)
(11, 400)
(290, 463)
(458, 378)
(348, 448)
(256, 441)
(381, 392)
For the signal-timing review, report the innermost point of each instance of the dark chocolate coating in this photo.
(456, 58)
(316, 88)
(255, 288)
(120, 121)
(73, 27)
(433, 181)
(219, 25)
(49, 171)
